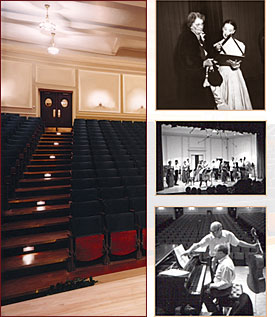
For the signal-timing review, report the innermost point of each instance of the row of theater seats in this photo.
(19, 136)
(108, 190)
(191, 228)
(255, 220)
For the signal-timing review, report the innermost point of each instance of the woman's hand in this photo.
(208, 62)
(218, 47)
(234, 64)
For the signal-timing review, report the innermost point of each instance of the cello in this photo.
(255, 261)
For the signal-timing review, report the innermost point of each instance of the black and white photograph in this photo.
(210, 261)
(210, 55)
(199, 157)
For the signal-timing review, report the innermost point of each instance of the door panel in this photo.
(64, 109)
(56, 108)
(48, 108)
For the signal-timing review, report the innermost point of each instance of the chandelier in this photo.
(47, 25)
(53, 49)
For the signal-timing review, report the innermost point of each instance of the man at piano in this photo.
(217, 236)
(222, 283)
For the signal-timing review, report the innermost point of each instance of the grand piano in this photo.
(174, 291)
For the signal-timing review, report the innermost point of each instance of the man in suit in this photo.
(190, 62)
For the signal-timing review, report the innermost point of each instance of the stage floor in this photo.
(117, 294)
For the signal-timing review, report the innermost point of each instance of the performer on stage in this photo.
(204, 173)
(232, 167)
(222, 282)
(216, 168)
(170, 175)
(218, 235)
(176, 169)
(191, 59)
(232, 94)
(185, 173)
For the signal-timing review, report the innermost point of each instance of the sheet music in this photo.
(174, 272)
(182, 259)
(231, 48)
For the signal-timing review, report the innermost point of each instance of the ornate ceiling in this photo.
(101, 28)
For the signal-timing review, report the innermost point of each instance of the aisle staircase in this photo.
(35, 229)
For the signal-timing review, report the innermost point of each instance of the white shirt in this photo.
(226, 238)
(177, 167)
(217, 164)
(225, 273)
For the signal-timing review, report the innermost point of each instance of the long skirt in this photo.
(233, 93)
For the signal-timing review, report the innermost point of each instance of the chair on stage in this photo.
(227, 302)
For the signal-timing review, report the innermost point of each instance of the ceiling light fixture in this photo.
(47, 25)
(53, 49)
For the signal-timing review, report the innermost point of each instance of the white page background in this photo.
(227, 200)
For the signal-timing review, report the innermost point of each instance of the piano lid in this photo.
(163, 250)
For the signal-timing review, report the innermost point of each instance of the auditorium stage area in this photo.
(213, 157)
(116, 294)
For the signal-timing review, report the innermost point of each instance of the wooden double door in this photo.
(56, 108)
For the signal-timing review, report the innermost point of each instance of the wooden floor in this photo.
(116, 294)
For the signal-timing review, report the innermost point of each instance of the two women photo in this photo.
(208, 64)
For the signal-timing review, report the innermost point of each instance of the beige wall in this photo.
(103, 88)
(180, 147)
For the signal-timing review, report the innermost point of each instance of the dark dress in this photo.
(188, 60)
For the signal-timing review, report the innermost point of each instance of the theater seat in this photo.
(141, 224)
(122, 233)
(89, 238)
(86, 208)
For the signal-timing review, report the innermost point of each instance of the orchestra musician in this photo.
(170, 175)
(219, 170)
(222, 281)
(204, 173)
(176, 169)
(185, 173)
(218, 235)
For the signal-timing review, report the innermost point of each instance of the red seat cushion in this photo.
(89, 248)
(123, 243)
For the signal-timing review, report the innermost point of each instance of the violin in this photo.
(255, 278)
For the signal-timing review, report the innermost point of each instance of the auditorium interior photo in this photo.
(210, 157)
(183, 226)
(73, 152)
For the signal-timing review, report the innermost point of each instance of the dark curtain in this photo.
(261, 154)
(249, 16)
(159, 158)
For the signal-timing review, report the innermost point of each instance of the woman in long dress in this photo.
(232, 94)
